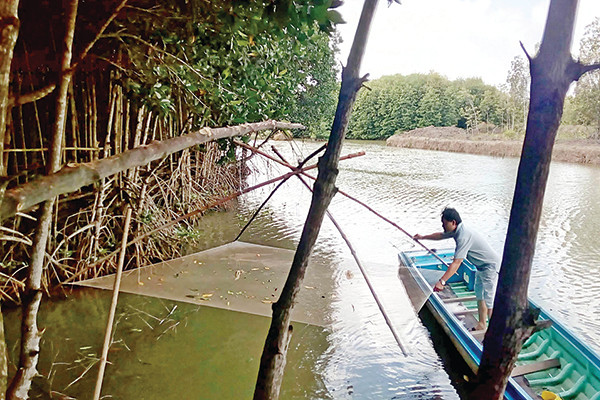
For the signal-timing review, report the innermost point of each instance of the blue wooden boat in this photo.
(553, 364)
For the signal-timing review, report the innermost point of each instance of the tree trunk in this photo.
(9, 31)
(272, 363)
(30, 335)
(552, 71)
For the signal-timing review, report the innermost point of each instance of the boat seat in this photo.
(535, 367)
(465, 312)
(479, 335)
(460, 299)
(596, 396)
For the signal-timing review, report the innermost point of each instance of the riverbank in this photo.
(583, 151)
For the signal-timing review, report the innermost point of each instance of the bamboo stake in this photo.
(113, 307)
(35, 107)
(70, 179)
(94, 119)
(22, 129)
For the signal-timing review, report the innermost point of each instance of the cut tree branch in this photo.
(513, 321)
(202, 209)
(31, 96)
(73, 177)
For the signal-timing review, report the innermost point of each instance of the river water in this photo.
(411, 187)
(169, 350)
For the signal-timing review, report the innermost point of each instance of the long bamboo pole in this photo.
(71, 178)
(113, 307)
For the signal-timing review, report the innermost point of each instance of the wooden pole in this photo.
(273, 359)
(552, 71)
(303, 172)
(113, 307)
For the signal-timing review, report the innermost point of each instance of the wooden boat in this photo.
(553, 364)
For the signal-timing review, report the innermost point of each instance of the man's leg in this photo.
(483, 315)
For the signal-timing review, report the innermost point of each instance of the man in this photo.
(472, 246)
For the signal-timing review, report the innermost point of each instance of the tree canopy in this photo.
(401, 103)
(227, 61)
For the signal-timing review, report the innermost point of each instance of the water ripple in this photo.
(411, 187)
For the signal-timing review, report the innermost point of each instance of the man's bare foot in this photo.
(479, 327)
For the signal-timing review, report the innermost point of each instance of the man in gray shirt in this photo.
(472, 246)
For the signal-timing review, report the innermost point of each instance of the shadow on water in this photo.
(162, 350)
(454, 365)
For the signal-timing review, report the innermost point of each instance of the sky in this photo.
(456, 38)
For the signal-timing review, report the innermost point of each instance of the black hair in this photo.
(450, 214)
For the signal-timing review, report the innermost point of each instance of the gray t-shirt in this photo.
(472, 246)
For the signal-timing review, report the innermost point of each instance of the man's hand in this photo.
(418, 237)
(438, 287)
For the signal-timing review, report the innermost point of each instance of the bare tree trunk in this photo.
(272, 363)
(9, 31)
(552, 71)
(30, 335)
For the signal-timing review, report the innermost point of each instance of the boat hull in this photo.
(577, 375)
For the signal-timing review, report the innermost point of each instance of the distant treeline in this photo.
(401, 103)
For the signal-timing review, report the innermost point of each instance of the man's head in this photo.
(450, 219)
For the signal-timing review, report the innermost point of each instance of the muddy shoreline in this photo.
(583, 151)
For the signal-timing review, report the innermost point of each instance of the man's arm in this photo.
(433, 236)
(452, 268)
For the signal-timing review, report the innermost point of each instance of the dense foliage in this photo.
(583, 107)
(233, 62)
(401, 103)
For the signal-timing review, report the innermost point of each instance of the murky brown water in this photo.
(170, 350)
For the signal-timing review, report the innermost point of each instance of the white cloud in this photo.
(457, 38)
